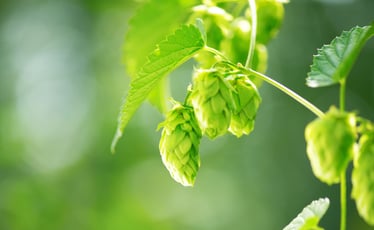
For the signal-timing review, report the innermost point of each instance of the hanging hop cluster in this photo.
(215, 105)
(224, 103)
(219, 100)
(179, 144)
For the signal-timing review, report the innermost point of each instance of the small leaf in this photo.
(171, 53)
(308, 219)
(335, 60)
(142, 37)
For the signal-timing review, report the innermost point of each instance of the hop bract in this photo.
(330, 144)
(211, 99)
(179, 144)
(363, 178)
(247, 100)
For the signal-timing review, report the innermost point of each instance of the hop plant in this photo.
(211, 99)
(363, 178)
(247, 100)
(179, 144)
(330, 144)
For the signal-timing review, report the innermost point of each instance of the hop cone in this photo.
(330, 144)
(270, 15)
(363, 178)
(247, 100)
(211, 99)
(179, 144)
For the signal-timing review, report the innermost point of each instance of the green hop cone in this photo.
(330, 144)
(363, 178)
(235, 45)
(247, 100)
(179, 144)
(270, 15)
(216, 23)
(211, 99)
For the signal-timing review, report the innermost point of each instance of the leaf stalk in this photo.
(284, 89)
(343, 201)
(252, 42)
(343, 182)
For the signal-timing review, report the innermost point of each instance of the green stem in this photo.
(252, 7)
(269, 80)
(342, 95)
(343, 201)
(216, 52)
(284, 89)
(343, 182)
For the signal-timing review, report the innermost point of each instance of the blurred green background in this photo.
(62, 82)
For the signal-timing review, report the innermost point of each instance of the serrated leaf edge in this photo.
(327, 79)
(145, 85)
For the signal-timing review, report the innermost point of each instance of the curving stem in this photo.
(252, 42)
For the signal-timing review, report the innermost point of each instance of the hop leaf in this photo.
(247, 100)
(334, 61)
(308, 219)
(170, 53)
(363, 178)
(211, 99)
(330, 144)
(179, 144)
(138, 46)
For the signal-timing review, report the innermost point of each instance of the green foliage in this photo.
(309, 218)
(223, 96)
(330, 144)
(142, 29)
(334, 61)
(179, 144)
(363, 177)
(171, 53)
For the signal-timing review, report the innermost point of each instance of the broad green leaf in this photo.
(171, 53)
(150, 25)
(335, 60)
(309, 218)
